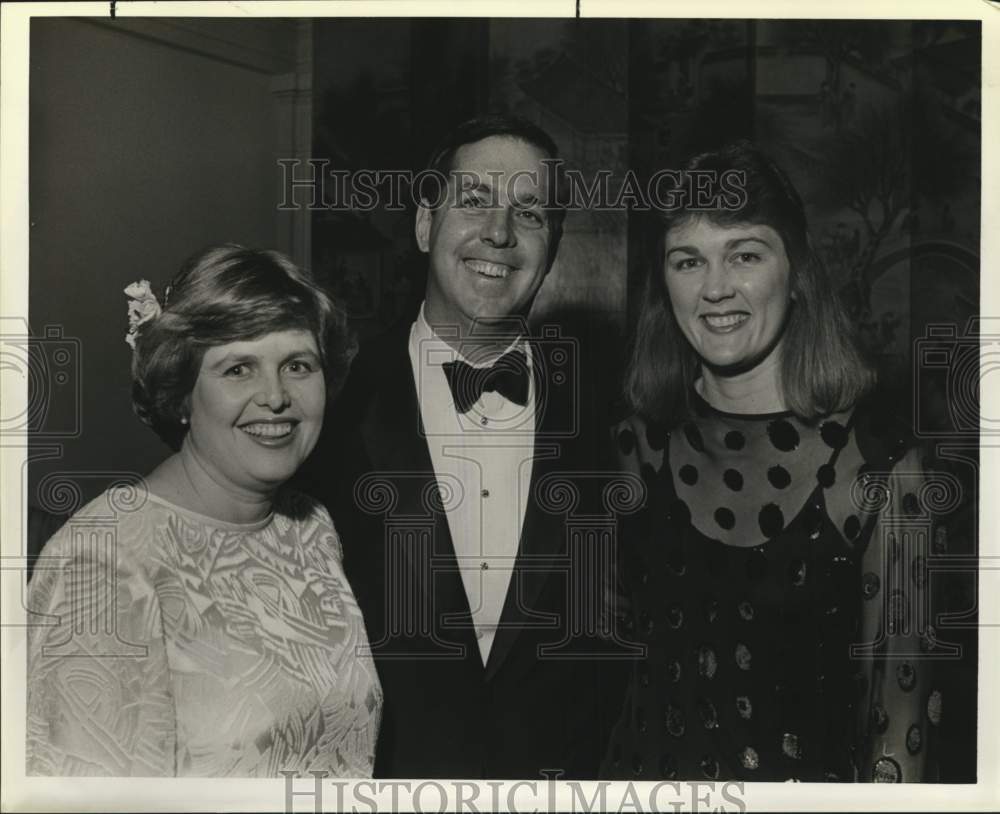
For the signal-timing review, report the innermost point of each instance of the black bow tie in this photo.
(508, 376)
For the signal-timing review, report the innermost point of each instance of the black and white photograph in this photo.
(534, 410)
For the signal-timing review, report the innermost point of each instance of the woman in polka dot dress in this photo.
(776, 573)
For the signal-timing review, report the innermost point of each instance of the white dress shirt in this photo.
(489, 451)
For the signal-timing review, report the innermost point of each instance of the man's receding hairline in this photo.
(546, 154)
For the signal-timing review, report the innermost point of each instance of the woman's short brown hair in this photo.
(225, 294)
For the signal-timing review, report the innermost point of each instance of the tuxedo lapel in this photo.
(391, 428)
(542, 535)
(396, 447)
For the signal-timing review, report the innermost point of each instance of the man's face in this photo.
(490, 241)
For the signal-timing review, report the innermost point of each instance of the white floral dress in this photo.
(171, 644)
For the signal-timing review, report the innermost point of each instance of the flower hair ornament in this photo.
(142, 307)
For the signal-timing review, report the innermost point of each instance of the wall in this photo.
(149, 140)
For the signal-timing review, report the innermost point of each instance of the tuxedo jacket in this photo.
(547, 696)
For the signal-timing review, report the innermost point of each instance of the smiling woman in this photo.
(223, 638)
(730, 293)
(256, 411)
(790, 645)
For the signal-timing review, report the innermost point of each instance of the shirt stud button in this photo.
(484, 421)
(485, 566)
(485, 493)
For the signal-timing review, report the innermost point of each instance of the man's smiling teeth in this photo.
(488, 269)
(724, 320)
(267, 430)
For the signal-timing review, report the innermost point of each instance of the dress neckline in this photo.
(214, 522)
(703, 408)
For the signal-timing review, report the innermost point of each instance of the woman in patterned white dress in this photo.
(199, 622)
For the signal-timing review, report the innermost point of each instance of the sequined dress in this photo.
(171, 644)
(766, 548)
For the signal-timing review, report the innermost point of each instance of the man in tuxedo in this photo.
(453, 464)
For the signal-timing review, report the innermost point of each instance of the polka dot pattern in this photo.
(753, 595)
(749, 759)
(656, 436)
(906, 676)
(834, 434)
(880, 718)
(674, 721)
(725, 518)
(826, 476)
(870, 584)
(791, 746)
(709, 715)
(771, 520)
(783, 435)
(708, 664)
(735, 440)
(675, 617)
(887, 771)
(934, 707)
(778, 477)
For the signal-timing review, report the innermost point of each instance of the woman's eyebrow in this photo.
(296, 354)
(736, 241)
(685, 249)
(232, 358)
